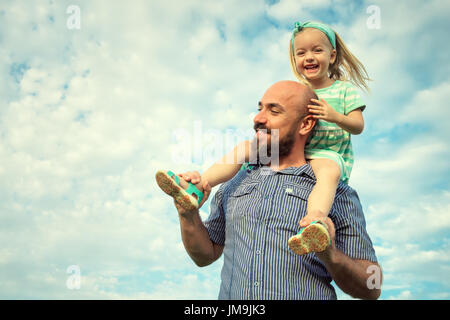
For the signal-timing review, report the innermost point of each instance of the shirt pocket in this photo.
(296, 198)
(243, 189)
(243, 201)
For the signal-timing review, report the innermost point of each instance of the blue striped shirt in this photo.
(253, 216)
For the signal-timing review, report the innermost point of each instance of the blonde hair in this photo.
(346, 67)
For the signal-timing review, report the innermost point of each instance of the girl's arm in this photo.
(224, 169)
(353, 122)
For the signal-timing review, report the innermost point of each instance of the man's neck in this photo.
(296, 158)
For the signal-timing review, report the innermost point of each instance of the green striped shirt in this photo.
(328, 140)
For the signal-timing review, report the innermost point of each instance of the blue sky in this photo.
(88, 115)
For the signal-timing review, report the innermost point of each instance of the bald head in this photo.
(292, 94)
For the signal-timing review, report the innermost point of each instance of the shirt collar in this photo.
(297, 171)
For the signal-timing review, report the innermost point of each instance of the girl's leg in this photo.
(224, 169)
(320, 200)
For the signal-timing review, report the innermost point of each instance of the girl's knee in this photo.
(326, 169)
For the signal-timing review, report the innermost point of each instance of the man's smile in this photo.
(261, 129)
(261, 132)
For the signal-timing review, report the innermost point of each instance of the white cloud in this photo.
(427, 108)
(81, 144)
(286, 10)
(395, 172)
(87, 116)
(185, 287)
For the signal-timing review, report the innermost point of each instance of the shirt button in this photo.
(256, 283)
(258, 252)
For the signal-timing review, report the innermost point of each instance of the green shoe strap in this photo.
(190, 190)
(301, 230)
(173, 175)
(246, 166)
(193, 189)
(314, 222)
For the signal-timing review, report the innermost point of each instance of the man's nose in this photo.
(260, 117)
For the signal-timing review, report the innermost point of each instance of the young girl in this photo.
(318, 57)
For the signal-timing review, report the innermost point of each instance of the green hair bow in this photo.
(317, 25)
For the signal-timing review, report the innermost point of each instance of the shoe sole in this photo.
(313, 238)
(169, 186)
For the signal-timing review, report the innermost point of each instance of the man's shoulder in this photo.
(346, 199)
(301, 176)
(345, 191)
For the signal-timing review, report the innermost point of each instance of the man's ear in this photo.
(307, 125)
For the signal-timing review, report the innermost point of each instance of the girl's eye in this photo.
(300, 53)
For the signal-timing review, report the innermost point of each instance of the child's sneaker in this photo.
(169, 182)
(312, 238)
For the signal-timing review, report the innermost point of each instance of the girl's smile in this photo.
(311, 68)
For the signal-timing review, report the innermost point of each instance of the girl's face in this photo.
(313, 54)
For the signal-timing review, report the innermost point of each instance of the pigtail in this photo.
(348, 67)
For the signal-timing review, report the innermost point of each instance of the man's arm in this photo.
(195, 236)
(351, 275)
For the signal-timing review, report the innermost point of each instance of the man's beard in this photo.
(285, 144)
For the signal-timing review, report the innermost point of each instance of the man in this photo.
(254, 214)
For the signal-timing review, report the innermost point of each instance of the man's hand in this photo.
(309, 218)
(195, 178)
(351, 275)
(328, 253)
